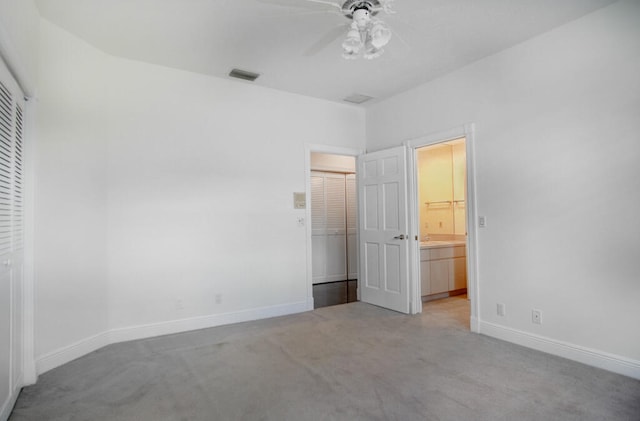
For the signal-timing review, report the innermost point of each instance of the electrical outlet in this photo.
(536, 316)
(218, 298)
(501, 309)
(179, 304)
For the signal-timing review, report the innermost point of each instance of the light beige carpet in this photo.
(349, 362)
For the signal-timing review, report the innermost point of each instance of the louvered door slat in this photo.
(6, 118)
(318, 220)
(335, 198)
(18, 223)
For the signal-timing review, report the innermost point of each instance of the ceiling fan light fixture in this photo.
(371, 53)
(361, 17)
(352, 44)
(380, 34)
(366, 34)
(349, 55)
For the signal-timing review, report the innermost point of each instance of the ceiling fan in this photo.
(366, 35)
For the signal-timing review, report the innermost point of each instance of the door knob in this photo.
(399, 237)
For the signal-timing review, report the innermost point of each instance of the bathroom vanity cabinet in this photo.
(443, 268)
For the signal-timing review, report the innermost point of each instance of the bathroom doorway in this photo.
(334, 246)
(441, 185)
(443, 214)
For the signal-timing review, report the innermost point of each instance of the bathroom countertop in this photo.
(441, 243)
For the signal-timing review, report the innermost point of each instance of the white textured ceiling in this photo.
(280, 39)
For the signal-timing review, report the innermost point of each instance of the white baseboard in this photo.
(592, 357)
(88, 345)
(71, 352)
(7, 405)
(203, 322)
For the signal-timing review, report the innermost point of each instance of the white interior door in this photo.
(384, 243)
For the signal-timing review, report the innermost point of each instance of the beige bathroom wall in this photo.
(459, 157)
(442, 189)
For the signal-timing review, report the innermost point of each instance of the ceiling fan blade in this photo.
(303, 4)
(328, 38)
(327, 2)
(405, 45)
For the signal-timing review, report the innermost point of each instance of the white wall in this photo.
(71, 193)
(166, 199)
(557, 150)
(19, 22)
(201, 179)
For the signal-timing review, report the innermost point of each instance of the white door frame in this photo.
(333, 150)
(467, 131)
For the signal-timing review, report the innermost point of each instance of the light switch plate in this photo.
(299, 200)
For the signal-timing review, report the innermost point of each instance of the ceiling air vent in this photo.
(244, 75)
(358, 98)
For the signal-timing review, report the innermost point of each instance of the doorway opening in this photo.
(442, 220)
(334, 229)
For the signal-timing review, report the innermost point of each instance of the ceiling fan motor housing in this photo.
(350, 6)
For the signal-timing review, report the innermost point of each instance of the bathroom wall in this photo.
(442, 190)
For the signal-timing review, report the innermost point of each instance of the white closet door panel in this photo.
(5, 334)
(17, 196)
(336, 203)
(318, 205)
(17, 321)
(336, 258)
(352, 203)
(6, 168)
(6, 136)
(352, 256)
(318, 228)
(328, 219)
(319, 258)
(352, 226)
(11, 238)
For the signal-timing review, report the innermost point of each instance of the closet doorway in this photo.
(334, 239)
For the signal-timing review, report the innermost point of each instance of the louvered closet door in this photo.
(11, 237)
(352, 226)
(328, 219)
(318, 228)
